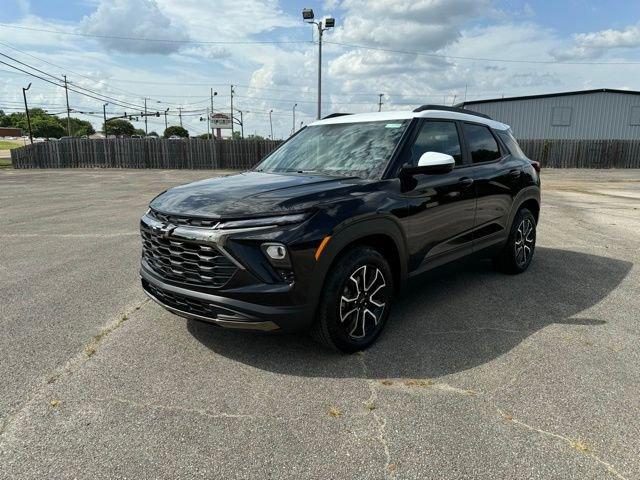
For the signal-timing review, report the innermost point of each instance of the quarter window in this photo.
(441, 137)
(482, 145)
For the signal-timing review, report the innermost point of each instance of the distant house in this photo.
(10, 132)
(602, 114)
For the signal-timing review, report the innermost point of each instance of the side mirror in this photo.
(431, 162)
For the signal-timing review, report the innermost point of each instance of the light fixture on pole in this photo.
(308, 16)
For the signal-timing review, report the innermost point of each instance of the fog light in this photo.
(277, 254)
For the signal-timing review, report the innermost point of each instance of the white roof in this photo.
(408, 114)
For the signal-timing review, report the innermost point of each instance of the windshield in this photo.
(345, 149)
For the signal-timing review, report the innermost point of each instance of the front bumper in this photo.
(222, 311)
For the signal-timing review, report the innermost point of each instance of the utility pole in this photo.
(166, 125)
(180, 114)
(293, 130)
(308, 16)
(231, 111)
(380, 95)
(26, 110)
(146, 129)
(104, 116)
(66, 93)
(271, 123)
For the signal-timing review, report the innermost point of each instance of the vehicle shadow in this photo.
(451, 319)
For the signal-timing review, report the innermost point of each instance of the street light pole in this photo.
(26, 110)
(146, 129)
(165, 119)
(213, 94)
(380, 95)
(104, 116)
(293, 130)
(271, 123)
(308, 16)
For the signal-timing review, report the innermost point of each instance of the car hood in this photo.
(252, 194)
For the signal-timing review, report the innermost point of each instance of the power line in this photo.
(101, 97)
(161, 40)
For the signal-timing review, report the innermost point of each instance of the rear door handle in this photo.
(465, 182)
(515, 173)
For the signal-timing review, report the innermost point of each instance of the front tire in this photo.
(518, 252)
(355, 302)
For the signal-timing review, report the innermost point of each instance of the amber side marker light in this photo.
(323, 244)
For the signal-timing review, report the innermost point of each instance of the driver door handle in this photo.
(515, 173)
(465, 182)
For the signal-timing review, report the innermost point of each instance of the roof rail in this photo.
(451, 109)
(333, 115)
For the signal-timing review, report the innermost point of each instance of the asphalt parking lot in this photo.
(478, 375)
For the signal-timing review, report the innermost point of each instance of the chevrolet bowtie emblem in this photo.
(164, 230)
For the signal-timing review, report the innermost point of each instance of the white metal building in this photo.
(602, 114)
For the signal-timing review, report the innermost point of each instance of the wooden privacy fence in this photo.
(195, 153)
(583, 153)
(192, 153)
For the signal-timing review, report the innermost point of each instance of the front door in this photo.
(441, 206)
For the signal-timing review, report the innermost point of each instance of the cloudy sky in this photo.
(413, 52)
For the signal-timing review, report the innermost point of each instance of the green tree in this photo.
(119, 127)
(176, 130)
(236, 136)
(153, 133)
(47, 126)
(139, 131)
(80, 128)
(254, 137)
(4, 120)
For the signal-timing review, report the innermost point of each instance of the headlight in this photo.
(265, 221)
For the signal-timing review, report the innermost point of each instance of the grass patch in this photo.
(5, 163)
(8, 144)
(335, 412)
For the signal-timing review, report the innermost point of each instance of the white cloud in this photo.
(133, 18)
(596, 44)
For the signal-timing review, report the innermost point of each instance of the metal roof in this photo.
(549, 95)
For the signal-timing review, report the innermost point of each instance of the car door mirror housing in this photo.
(431, 163)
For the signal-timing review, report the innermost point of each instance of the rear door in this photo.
(441, 206)
(497, 179)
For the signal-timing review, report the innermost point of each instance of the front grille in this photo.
(177, 220)
(186, 261)
(182, 303)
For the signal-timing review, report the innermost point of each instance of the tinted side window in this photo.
(511, 144)
(482, 146)
(441, 137)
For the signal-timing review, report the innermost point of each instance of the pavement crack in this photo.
(575, 444)
(173, 408)
(71, 365)
(380, 420)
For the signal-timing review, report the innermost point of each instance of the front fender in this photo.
(351, 232)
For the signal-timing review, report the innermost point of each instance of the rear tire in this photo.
(517, 254)
(355, 301)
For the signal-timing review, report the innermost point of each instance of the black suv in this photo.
(325, 230)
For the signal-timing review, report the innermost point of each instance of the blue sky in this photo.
(570, 36)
